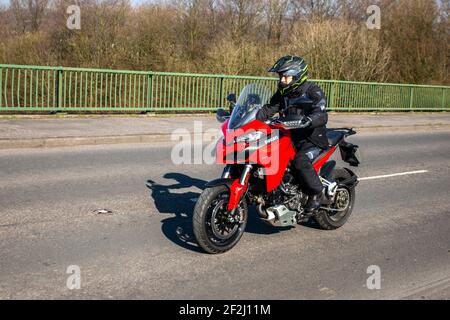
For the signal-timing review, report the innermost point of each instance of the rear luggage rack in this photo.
(347, 131)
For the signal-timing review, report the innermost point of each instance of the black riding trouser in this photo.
(307, 152)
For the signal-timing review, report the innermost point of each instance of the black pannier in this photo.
(349, 153)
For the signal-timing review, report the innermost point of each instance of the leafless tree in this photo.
(241, 17)
(29, 13)
(276, 12)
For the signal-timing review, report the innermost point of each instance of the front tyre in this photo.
(214, 231)
(342, 206)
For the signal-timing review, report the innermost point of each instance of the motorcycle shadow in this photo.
(178, 228)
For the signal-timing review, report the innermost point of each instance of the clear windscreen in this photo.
(251, 99)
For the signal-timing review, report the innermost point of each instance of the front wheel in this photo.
(342, 206)
(213, 229)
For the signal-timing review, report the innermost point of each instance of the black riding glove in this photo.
(303, 123)
(267, 111)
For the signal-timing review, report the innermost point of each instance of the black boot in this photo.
(314, 203)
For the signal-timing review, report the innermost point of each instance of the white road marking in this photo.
(393, 175)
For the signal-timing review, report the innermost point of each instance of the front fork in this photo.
(238, 187)
(226, 172)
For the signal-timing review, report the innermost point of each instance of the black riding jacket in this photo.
(316, 112)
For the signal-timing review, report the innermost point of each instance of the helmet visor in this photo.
(290, 73)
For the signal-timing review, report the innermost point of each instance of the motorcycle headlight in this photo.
(250, 137)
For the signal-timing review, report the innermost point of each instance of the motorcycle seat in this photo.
(334, 136)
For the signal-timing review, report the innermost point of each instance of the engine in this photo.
(288, 193)
(283, 206)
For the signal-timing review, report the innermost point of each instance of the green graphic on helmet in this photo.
(290, 66)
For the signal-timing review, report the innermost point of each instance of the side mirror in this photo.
(254, 99)
(222, 115)
(231, 98)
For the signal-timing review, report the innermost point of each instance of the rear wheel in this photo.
(342, 206)
(214, 230)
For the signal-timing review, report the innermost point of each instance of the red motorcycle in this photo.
(257, 157)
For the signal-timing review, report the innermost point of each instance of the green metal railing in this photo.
(34, 88)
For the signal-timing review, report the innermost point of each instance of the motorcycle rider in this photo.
(309, 131)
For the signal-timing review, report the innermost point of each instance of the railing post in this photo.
(221, 92)
(331, 100)
(411, 98)
(150, 91)
(1, 88)
(59, 88)
(443, 98)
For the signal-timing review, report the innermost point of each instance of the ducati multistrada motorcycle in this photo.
(258, 171)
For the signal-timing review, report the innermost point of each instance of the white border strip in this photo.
(393, 175)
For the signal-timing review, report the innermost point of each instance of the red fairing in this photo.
(236, 192)
(320, 162)
(273, 154)
(279, 154)
(224, 127)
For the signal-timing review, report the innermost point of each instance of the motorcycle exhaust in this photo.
(261, 212)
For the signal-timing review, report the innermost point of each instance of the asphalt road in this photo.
(144, 248)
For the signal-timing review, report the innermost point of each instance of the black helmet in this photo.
(293, 66)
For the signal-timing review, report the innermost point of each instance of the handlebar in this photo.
(290, 123)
